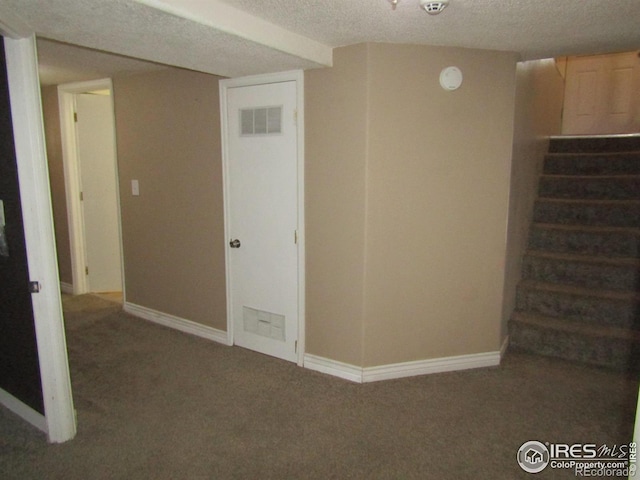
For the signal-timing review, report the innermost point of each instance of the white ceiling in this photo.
(241, 37)
(534, 28)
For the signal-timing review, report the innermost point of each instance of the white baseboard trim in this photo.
(434, 365)
(26, 412)
(401, 370)
(333, 367)
(177, 323)
(66, 288)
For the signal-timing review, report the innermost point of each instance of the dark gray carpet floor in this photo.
(156, 403)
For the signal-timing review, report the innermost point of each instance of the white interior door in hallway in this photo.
(262, 216)
(99, 197)
(602, 94)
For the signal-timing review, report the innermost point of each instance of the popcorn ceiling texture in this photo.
(129, 28)
(534, 29)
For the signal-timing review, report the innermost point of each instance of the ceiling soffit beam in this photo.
(236, 22)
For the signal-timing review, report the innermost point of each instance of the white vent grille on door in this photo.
(261, 121)
(265, 324)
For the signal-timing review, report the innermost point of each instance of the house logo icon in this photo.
(533, 456)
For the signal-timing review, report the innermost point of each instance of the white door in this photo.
(602, 94)
(262, 217)
(97, 165)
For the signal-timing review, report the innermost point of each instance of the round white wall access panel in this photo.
(451, 78)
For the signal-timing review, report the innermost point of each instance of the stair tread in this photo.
(586, 228)
(582, 176)
(585, 234)
(593, 154)
(582, 291)
(621, 261)
(591, 201)
(598, 153)
(575, 327)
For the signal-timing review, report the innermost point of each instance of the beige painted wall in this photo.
(335, 149)
(407, 196)
(168, 135)
(51, 114)
(538, 114)
(437, 190)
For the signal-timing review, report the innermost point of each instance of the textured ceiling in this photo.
(130, 28)
(533, 28)
(193, 34)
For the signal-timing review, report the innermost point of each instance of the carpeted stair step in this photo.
(592, 164)
(595, 345)
(596, 307)
(602, 187)
(585, 240)
(619, 274)
(579, 297)
(612, 213)
(620, 143)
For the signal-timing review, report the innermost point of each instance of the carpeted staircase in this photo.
(579, 297)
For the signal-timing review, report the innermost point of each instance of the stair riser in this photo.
(590, 188)
(605, 352)
(587, 214)
(619, 164)
(590, 310)
(581, 274)
(606, 144)
(608, 244)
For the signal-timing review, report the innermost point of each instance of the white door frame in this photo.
(33, 175)
(78, 247)
(298, 77)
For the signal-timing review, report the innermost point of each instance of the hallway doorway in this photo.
(91, 181)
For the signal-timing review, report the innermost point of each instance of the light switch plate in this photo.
(135, 188)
